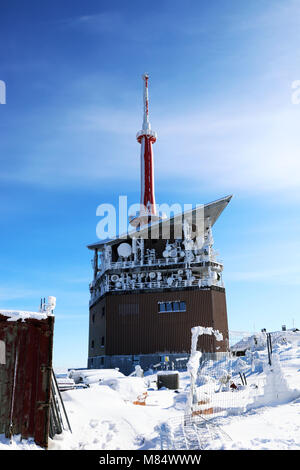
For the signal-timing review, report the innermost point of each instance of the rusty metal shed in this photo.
(26, 343)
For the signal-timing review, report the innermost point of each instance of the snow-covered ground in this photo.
(265, 414)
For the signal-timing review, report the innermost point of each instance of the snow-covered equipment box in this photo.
(64, 383)
(91, 376)
(168, 379)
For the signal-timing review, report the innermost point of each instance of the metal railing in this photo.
(108, 286)
(155, 263)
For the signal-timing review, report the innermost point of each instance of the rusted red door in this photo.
(25, 377)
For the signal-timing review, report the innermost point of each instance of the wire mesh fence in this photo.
(259, 371)
(192, 433)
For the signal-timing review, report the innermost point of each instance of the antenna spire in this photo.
(146, 137)
(146, 123)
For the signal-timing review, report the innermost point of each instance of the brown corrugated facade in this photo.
(25, 377)
(131, 324)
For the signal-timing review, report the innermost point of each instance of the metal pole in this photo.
(63, 406)
(269, 346)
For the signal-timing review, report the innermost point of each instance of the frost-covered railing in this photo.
(157, 262)
(108, 286)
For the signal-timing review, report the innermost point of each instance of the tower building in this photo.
(153, 284)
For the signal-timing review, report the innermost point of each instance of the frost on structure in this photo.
(276, 389)
(15, 315)
(185, 257)
(193, 363)
(202, 330)
(45, 310)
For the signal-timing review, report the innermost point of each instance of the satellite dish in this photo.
(124, 250)
(189, 255)
(189, 244)
(173, 253)
(152, 275)
(166, 254)
(118, 284)
(114, 278)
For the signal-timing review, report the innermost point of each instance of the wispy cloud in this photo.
(14, 293)
(230, 145)
(273, 16)
(192, 22)
(271, 259)
(231, 151)
(104, 22)
(140, 27)
(283, 276)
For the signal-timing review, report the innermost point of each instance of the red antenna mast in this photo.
(146, 137)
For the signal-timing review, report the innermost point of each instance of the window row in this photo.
(102, 342)
(177, 306)
(101, 361)
(102, 314)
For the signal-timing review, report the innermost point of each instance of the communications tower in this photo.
(147, 291)
(146, 137)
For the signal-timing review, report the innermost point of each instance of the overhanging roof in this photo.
(212, 212)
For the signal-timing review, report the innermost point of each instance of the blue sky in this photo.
(221, 77)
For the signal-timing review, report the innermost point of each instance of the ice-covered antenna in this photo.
(49, 308)
(146, 123)
(146, 137)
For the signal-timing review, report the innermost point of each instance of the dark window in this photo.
(162, 307)
(93, 318)
(103, 311)
(102, 341)
(92, 362)
(93, 343)
(176, 306)
(102, 361)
